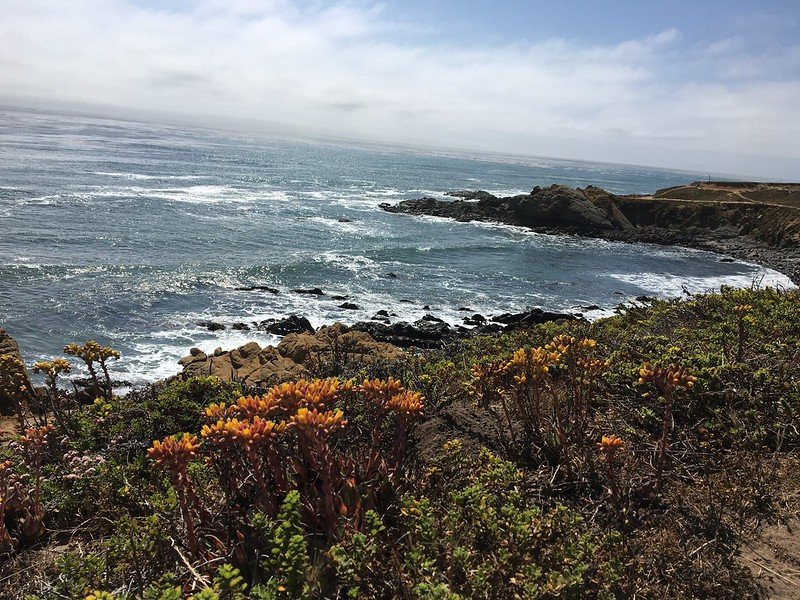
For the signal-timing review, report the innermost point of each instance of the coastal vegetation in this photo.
(630, 456)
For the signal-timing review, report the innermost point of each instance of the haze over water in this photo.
(132, 233)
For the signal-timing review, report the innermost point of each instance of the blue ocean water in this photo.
(132, 233)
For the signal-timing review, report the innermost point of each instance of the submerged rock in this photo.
(311, 291)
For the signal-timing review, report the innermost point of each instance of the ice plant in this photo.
(52, 369)
(10, 491)
(33, 444)
(666, 380)
(90, 353)
(247, 447)
(174, 454)
(740, 311)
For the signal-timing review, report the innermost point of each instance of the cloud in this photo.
(345, 68)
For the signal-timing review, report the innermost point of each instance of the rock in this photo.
(337, 298)
(420, 334)
(645, 299)
(464, 309)
(406, 301)
(240, 327)
(312, 291)
(472, 195)
(726, 259)
(291, 324)
(249, 364)
(336, 343)
(432, 319)
(9, 346)
(391, 275)
(382, 313)
(260, 288)
(218, 351)
(349, 306)
(211, 325)
(590, 307)
(343, 220)
(530, 317)
(426, 307)
(476, 319)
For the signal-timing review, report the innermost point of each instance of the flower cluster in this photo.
(294, 436)
(174, 452)
(666, 378)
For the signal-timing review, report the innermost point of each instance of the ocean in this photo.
(133, 233)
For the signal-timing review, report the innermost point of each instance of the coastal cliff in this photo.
(755, 222)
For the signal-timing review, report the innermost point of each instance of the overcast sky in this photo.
(713, 88)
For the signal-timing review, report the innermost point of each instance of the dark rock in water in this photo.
(312, 291)
(488, 328)
(645, 299)
(349, 306)
(420, 334)
(345, 220)
(240, 327)
(339, 297)
(476, 319)
(426, 307)
(260, 288)
(391, 275)
(211, 325)
(726, 259)
(590, 307)
(382, 313)
(432, 319)
(472, 195)
(406, 301)
(291, 324)
(464, 309)
(534, 316)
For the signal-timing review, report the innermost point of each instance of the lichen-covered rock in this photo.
(8, 345)
(253, 365)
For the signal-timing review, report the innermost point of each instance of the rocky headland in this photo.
(757, 222)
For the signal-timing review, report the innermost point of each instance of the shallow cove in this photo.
(133, 233)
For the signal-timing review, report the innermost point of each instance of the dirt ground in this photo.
(774, 558)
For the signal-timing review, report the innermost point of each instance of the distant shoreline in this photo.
(755, 222)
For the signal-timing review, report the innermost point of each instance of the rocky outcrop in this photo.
(9, 346)
(256, 366)
(761, 224)
(430, 332)
(554, 206)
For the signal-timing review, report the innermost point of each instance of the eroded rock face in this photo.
(559, 205)
(253, 365)
(8, 345)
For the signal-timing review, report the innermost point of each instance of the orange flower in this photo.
(324, 422)
(379, 391)
(245, 433)
(320, 393)
(406, 403)
(666, 378)
(174, 452)
(610, 443)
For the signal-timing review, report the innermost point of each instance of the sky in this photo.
(705, 86)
